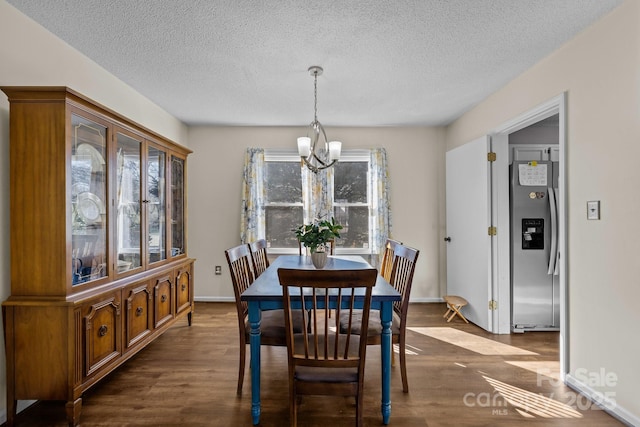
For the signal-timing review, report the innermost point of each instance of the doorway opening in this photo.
(513, 137)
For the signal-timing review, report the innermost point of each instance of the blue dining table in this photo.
(265, 293)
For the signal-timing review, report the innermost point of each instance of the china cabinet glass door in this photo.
(88, 195)
(156, 205)
(177, 206)
(128, 203)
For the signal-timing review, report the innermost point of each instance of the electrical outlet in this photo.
(218, 270)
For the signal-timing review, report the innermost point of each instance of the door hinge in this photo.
(491, 156)
(493, 305)
(492, 231)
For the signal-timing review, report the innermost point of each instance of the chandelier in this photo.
(317, 156)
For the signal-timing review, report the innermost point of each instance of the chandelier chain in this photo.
(315, 96)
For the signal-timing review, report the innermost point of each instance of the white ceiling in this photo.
(386, 62)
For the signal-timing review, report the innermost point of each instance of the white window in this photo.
(351, 201)
(283, 205)
(347, 197)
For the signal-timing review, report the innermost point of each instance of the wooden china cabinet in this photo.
(99, 266)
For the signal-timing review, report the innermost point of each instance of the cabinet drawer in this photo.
(103, 333)
(183, 288)
(138, 313)
(163, 300)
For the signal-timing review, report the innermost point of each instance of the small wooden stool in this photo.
(454, 304)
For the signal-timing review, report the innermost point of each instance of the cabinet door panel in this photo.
(156, 204)
(88, 200)
(128, 202)
(178, 246)
(103, 334)
(183, 288)
(138, 314)
(163, 300)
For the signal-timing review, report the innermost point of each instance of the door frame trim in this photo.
(556, 105)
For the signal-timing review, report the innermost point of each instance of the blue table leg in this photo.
(254, 341)
(385, 348)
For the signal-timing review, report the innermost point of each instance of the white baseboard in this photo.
(607, 403)
(426, 300)
(214, 299)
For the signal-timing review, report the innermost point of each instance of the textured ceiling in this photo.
(386, 62)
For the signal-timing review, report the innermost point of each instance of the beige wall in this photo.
(31, 56)
(416, 169)
(600, 70)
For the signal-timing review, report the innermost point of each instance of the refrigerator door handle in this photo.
(554, 239)
(557, 266)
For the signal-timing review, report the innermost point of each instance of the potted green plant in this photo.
(315, 236)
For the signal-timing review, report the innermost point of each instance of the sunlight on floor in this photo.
(549, 369)
(532, 404)
(471, 342)
(408, 349)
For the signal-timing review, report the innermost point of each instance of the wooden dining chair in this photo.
(272, 327)
(387, 258)
(259, 256)
(404, 265)
(323, 361)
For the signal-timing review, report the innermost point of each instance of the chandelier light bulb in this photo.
(334, 150)
(304, 146)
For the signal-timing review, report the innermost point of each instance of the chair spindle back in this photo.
(259, 256)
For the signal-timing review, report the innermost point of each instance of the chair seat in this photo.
(375, 325)
(272, 324)
(326, 375)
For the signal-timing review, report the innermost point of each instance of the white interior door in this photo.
(468, 205)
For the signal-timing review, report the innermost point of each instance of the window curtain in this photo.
(380, 199)
(252, 220)
(315, 194)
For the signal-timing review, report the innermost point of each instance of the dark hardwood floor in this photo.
(188, 378)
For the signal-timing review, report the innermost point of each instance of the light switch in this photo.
(593, 209)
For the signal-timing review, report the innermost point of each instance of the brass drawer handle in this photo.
(163, 298)
(139, 311)
(102, 331)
